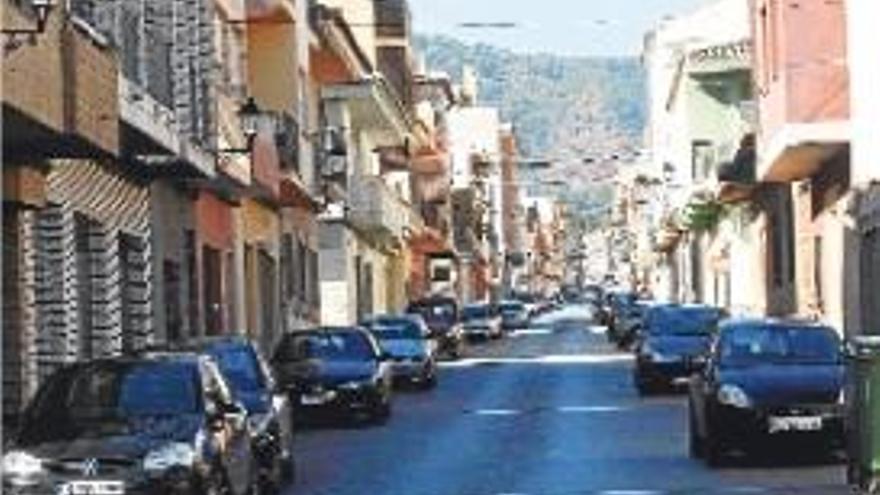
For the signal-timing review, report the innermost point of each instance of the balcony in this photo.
(59, 95)
(803, 88)
(736, 178)
(377, 211)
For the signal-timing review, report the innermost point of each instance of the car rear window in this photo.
(473, 312)
(682, 321)
(239, 365)
(395, 329)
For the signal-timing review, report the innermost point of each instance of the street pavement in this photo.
(547, 411)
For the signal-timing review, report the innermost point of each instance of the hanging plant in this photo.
(704, 215)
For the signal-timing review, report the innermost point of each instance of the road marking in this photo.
(531, 331)
(497, 412)
(589, 409)
(598, 329)
(631, 492)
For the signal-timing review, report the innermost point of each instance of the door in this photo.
(212, 290)
(268, 298)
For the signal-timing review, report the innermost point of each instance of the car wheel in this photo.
(643, 385)
(214, 483)
(429, 381)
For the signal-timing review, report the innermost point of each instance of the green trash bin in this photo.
(863, 417)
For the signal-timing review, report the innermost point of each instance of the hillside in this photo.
(562, 106)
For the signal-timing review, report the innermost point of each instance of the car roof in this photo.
(385, 317)
(146, 357)
(771, 322)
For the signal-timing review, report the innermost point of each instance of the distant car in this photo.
(621, 314)
(767, 379)
(406, 339)
(269, 411)
(673, 344)
(514, 315)
(441, 314)
(480, 320)
(339, 369)
(164, 424)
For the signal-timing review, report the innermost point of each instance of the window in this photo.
(85, 229)
(288, 275)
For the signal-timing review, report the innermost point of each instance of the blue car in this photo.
(767, 380)
(672, 344)
(268, 409)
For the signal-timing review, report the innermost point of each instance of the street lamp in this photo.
(42, 9)
(251, 119)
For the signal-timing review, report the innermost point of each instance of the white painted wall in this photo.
(865, 96)
(472, 130)
(669, 137)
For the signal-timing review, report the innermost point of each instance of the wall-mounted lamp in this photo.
(41, 9)
(252, 119)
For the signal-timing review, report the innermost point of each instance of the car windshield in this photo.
(100, 399)
(395, 329)
(682, 321)
(335, 346)
(757, 343)
(512, 307)
(439, 311)
(240, 367)
(475, 312)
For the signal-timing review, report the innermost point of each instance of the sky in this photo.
(564, 27)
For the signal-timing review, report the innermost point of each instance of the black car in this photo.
(442, 316)
(672, 345)
(340, 369)
(269, 412)
(406, 339)
(167, 424)
(767, 379)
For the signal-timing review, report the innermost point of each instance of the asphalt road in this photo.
(547, 411)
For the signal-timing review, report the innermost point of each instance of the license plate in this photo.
(91, 488)
(317, 399)
(795, 423)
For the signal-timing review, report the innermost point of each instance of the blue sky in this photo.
(565, 27)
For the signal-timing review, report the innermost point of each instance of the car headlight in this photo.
(734, 396)
(20, 468)
(352, 385)
(171, 455)
(659, 357)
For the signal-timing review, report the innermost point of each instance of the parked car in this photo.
(673, 344)
(337, 369)
(164, 424)
(767, 379)
(533, 303)
(269, 412)
(514, 315)
(406, 339)
(481, 320)
(442, 317)
(622, 314)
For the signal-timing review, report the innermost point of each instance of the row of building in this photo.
(760, 192)
(207, 167)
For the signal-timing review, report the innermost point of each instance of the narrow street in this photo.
(546, 411)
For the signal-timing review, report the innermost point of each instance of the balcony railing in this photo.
(376, 209)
